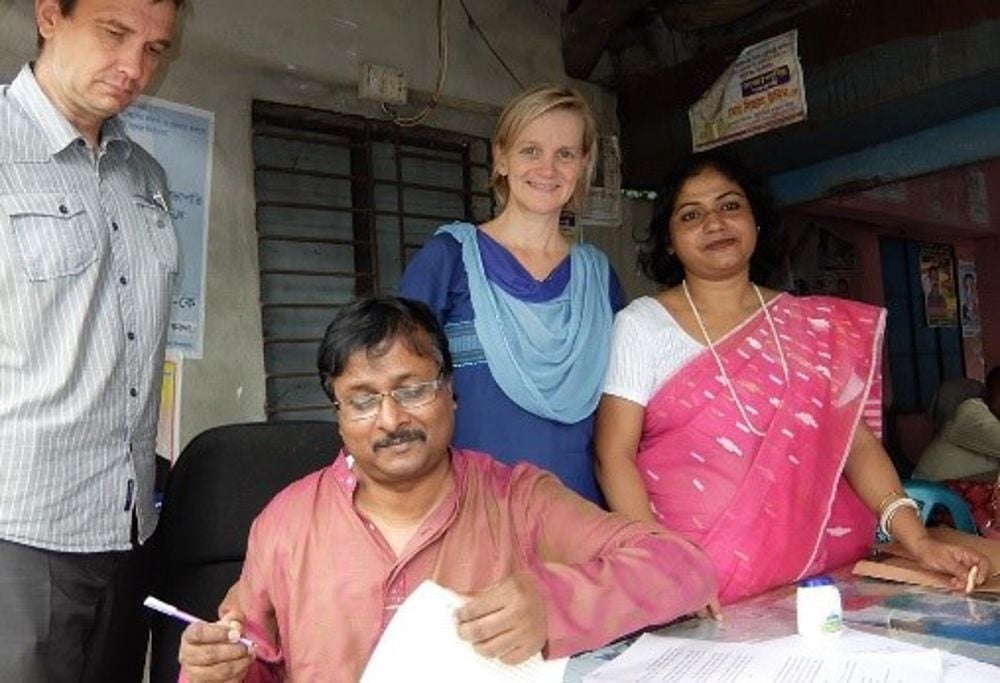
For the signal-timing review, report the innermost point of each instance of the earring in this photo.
(758, 228)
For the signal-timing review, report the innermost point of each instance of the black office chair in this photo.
(221, 481)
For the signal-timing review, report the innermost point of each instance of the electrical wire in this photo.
(475, 27)
(409, 121)
(442, 20)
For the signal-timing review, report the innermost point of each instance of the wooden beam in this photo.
(696, 15)
(586, 32)
(960, 142)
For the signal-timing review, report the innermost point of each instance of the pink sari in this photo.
(769, 510)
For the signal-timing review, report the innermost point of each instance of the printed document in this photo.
(661, 659)
(957, 669)
(421, 643)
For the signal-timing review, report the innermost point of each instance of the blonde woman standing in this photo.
(528, 315)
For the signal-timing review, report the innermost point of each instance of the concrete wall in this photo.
(622, 250)
(308, 52)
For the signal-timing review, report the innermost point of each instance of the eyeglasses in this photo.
(409, 397)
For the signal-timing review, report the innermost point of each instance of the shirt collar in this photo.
(343, 470)
(114, 131)
(57, 131)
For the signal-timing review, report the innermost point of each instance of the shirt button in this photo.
(160, 224)
(131, 336)
(123, 280)
(63, 210)
(114, 226)
(133, 392)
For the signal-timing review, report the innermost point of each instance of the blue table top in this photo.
(964, 625)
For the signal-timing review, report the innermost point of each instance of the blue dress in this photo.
(486, 418)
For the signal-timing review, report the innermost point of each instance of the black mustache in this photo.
(400, 437)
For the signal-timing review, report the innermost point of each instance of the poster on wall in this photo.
(180, 138)
(762, 90)
(168, 427)
(821, 262)
(968, 297)
(938, 284)
(603, 204)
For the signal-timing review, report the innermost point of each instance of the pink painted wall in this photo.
(959, 206)
(960, 201)
(987, 256)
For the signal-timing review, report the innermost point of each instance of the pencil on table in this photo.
(971, 581)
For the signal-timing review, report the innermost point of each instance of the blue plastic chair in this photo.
(931, 494)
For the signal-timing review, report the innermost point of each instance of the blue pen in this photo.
(171, 611)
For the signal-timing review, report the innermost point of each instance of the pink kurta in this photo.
(320, 583)
(769, 510)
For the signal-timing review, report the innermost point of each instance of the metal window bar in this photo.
(318, 225)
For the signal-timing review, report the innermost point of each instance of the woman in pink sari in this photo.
(745, 418)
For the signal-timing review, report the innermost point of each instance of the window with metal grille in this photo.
(343, 202)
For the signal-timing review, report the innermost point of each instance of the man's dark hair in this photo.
(66, 8)
(371, 325)
(664, 267)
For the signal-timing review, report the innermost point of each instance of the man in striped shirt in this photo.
(87, 259)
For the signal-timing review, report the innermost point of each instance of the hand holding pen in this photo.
(179, 614)
(210, 652)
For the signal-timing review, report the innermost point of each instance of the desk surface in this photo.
(968, 626)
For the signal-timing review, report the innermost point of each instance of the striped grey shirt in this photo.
(87, 259)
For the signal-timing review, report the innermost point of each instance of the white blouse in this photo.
(647, 348)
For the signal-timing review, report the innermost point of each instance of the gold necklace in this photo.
(718, 361)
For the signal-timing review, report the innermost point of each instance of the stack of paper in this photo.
(421, 643)
(854, 657)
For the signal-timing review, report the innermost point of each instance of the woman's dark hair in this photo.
(662, 266)
(372, 324)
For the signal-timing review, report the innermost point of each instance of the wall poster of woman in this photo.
(969, 298)
(938, 283)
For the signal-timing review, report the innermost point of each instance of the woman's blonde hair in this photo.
(525, 108)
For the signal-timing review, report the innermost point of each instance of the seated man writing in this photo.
(334, 554)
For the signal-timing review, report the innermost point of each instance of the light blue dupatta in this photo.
(549, 357)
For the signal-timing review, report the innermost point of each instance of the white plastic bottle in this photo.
(818, 609)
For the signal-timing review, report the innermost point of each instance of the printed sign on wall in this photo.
(180, 138)
(968, 294)
(762, 90)
(938, 282)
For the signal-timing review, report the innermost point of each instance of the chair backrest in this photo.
(219, 484)
(949, 394)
